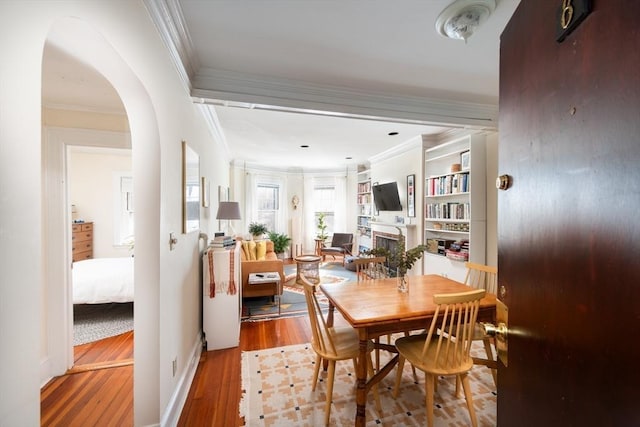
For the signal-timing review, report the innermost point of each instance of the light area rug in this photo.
(93, 322)
(277, 385)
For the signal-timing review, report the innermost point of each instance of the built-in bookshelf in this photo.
(364, 210)
(455, 205)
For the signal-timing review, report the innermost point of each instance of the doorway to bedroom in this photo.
(100, 190)
(86, 123)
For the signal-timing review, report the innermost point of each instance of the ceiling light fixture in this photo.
(462, 17)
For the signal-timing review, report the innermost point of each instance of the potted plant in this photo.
(281, 243)
(257, 230)
(322, 228)
(400, 257)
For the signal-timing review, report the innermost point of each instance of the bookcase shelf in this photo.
(455, 204)
(364, 211)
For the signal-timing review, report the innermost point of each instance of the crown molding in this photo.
(220, 87)
(291, 170)
(211, 118)
(169, 21)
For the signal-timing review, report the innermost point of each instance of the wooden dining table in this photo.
(376, 307)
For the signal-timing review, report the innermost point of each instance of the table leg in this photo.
(361, 375)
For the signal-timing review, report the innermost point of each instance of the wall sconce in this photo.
(462, 17)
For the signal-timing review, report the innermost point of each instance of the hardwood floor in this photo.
(100, 396)
(105, 396)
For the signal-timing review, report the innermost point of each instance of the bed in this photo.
(103, 280)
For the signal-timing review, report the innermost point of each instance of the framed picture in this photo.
(464, 160)
(411, 196)
(206, 190)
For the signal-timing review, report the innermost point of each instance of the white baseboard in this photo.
(173, 410)
(45, 371)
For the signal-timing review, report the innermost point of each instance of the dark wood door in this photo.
(569, 227)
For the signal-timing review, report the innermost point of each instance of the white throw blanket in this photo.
(219, 272)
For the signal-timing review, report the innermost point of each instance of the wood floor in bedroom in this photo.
(104, 396)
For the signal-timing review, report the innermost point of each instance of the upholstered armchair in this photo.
(341, 245)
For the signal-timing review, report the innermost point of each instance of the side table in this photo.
(319, 246)
(266, 284)
(309, 267)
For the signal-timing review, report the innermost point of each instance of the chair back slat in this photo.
(481, 276)
(371, 268)
(456, 313)
(321, 333)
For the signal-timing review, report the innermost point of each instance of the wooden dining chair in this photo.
(369, 268)
(438, 354)
(485, 277)
(333, 344)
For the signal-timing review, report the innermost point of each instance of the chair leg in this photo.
(464, 378)
(413, 368)
(377, 350)
(376, 395)
(330, 377)
(316, 371)
(400, 367)
(458, 384)
(489, 352)
(428, 391)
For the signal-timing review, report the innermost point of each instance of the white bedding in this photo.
(103, 280)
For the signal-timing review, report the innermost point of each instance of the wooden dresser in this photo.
(82, 241)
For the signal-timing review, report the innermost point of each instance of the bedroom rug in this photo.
(277, 392)
(93, 322)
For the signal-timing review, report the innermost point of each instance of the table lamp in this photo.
(229, 211)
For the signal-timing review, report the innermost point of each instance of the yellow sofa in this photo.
(259, 257)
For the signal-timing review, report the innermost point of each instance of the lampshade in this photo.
(462, 17)
(228, 210)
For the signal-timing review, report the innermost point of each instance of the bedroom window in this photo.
(324, 201)
(123, 227)
(268, 204)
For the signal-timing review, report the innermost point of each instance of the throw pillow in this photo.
(261, 250)
(252, 250)
(245, 250)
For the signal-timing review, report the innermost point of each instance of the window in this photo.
(123, 229)
(268, 205)
(324, 201)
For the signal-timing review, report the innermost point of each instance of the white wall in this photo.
(118, 39)
(91, 190)
(396, 167)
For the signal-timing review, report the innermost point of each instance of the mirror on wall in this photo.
(190, 189)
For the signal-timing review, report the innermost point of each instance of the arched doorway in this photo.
(82, 42)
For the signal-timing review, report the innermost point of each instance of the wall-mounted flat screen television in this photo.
(386, 197)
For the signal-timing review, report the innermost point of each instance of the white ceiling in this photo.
(353, 58)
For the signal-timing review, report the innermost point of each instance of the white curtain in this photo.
(340, 212)
(309, 221)
(250, 209)
(252, 180)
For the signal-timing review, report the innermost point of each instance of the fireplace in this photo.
(387, 241)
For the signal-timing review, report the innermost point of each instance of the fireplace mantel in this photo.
(388, 229)
(391, 224)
